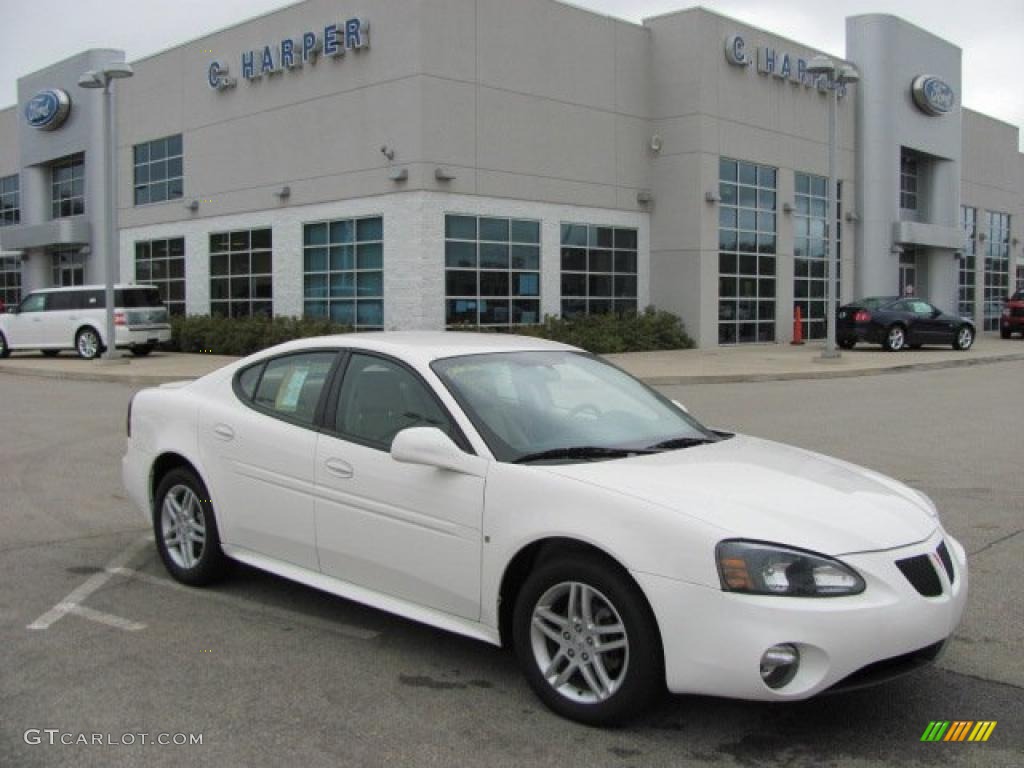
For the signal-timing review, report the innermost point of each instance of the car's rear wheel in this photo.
(87, 342)
(895, 338)
(587, 641)
(964, 338)
(142, 350)
(5, 351)
(186, 529)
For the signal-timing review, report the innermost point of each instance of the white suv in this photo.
(53, 319)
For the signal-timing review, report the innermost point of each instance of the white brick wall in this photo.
(413, 248)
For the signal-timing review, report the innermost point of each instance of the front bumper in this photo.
(713, 640)
(1012, 324)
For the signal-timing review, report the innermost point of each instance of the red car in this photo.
(1012, 320)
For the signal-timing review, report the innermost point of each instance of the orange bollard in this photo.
(798, 326)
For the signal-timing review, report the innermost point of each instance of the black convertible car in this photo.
(897, 322)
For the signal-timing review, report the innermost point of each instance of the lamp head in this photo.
(821, 65)
(118, 70)
(91, 79)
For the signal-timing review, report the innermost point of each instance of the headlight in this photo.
(770, 569)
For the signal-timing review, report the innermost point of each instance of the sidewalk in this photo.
(759, 362)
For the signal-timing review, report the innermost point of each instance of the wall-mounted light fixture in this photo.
(787, 207)
(656, 144)
(283, 193)
(443, 174)
(644, 197)
(398, 174)
(895, 249)
(192, 205)
(712, 197)
(852, 216)
(982, 236)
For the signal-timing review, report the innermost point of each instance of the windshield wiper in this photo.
(582, 452)
(680, 442)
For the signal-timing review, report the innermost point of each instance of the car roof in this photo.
(426, 346)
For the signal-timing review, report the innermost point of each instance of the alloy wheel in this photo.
(183, 526)
(579, 642)
(896, 338)
(88, 344)
(964, 338)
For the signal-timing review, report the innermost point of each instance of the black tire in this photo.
(5, 351)
(964, 338)
(206, 562)
(895, 338)
(637, 672)
(847, 343)
(50, 352)
(1004, 333)
(142, 351)
(87, 343)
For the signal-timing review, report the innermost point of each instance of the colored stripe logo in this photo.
(958, 730)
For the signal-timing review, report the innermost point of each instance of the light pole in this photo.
(103, 78)
(838, 75)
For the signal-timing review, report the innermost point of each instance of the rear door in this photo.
(258, 444)
(55, 329)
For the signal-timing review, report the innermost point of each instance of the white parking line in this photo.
(74, 599)
(244, 604)
(105, 618)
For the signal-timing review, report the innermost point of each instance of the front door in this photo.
(26, 327)
(409, 531)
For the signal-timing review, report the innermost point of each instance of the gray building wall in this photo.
(705, 108)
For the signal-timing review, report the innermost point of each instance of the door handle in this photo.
(339, 468)
(224, 432)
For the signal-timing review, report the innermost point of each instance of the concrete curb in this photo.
(134, 379)
(825, 373)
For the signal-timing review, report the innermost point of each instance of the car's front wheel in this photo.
(88, 344)
(964, 338)
(587, 641)
(895, 338)
(186, 529)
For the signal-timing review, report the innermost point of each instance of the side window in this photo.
(33, 303)
(93, 300)
(291, 385)
(248, 379)
(922, 308)
(900, 306)
(380, 398)
(60, 301)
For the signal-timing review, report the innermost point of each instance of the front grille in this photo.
(947, 561)
(887, 669)
(921, 575)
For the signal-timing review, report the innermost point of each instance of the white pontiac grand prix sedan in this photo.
(526, 493)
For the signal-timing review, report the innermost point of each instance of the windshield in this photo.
(528, 403)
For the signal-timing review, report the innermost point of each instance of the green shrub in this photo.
(243, 335)
(646, 331)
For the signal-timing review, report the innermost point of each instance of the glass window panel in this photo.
(157, 149)
(261, 238)
(343, 312)
(494, 229)
(460, 283)
(370, 284)
(525, 311)
(459, 254)
(766, 176)
(343, 285)
(316, 286)
(574, 259)
(748, 197)
(142, 153)
(174, 145)
(340, 231)
(370, 313)
(262, 287)
(526, 284)
(219, 288)
(727, 239)
(727, 263)
(625, 285)
(727, 169)
(342, 257)
(239, 288)
(494, 312)
(315, 260)
(239, 240)
(748, 173)
(747, 219)
(370, 229)
(315, 234)
(747, 241)
(524, 231)
(525, 256)
(600, 285)
(727, 217)
(600, 261)
(574, 285)
(494, 284)
(315, 309)
(728, 193)
(369, 256)
(574, 234)
(625, 261)
(493, 256)
(602, 237)
(461, 311)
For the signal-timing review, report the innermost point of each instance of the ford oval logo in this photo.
(48, 109)
(933, 95)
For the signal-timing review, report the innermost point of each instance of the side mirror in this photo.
(936, 313)
(680, 406)
(430, 447)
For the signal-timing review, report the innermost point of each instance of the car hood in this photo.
(767, 491)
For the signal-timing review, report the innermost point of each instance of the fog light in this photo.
(779, 665)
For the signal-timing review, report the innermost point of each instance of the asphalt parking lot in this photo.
(267, 671)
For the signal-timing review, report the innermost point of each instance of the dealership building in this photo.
(422, 164)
